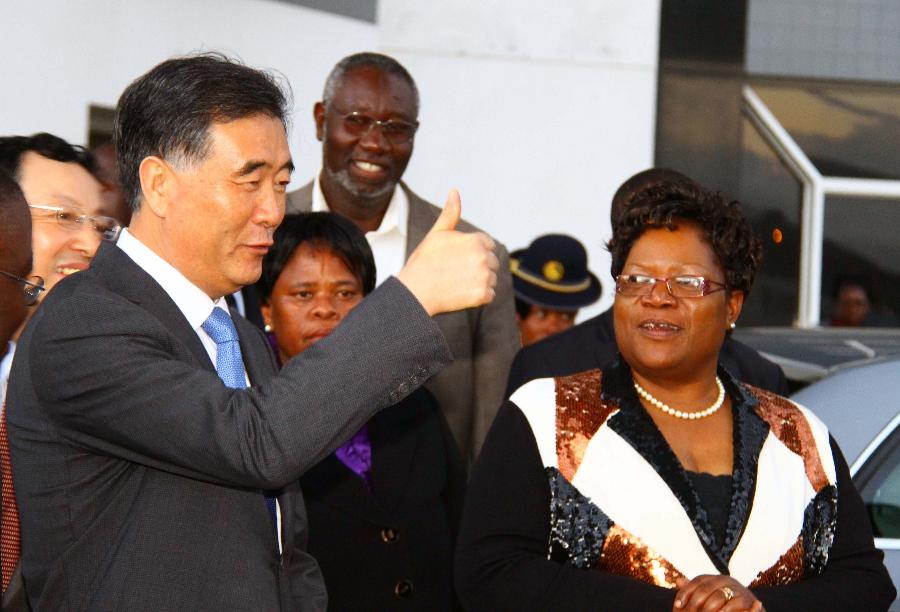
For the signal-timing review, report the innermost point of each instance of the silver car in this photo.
(861, 407)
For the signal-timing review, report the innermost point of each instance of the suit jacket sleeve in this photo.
(307, 586)
(497, 340)
(107, 374)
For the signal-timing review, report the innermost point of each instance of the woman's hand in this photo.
(714, 594)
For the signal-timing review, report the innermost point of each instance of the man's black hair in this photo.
(14, 215)
(13, 148)
(523, 308)
(168, 111)
(320, 229)
(637, 183)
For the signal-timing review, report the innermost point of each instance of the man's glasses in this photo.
(638, 285)
(395, 131)
(32, 287)
(71, 219)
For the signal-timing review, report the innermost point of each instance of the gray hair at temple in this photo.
(384, 63)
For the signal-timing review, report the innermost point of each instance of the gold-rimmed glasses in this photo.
(73, 220)
(395, 131)
(683, 286)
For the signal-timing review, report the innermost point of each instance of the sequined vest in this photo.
(617, 507)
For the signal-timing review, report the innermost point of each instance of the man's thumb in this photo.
(450, 215)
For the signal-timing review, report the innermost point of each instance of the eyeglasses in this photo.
(71, 219)
(635, 285)
(32, 288)
(395, 131)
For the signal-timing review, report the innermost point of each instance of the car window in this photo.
(879, 484)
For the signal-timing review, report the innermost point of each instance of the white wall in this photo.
(535, 110)
(62, 55)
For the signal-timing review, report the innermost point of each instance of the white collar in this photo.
(5, 365)
(395, 217)
(194, 304)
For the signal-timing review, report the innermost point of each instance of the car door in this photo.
(877, 476)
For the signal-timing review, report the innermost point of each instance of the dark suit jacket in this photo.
(483, 340)
(139, 474)
(592, 344)
(369, 543)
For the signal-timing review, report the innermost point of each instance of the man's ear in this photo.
(157, 184)
(319, 116)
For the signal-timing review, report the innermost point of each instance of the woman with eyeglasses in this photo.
(660, 482)
(383, 509)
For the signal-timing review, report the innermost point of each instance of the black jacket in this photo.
(391, 547)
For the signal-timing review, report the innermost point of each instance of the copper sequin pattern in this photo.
(788, 569)
(626, 555)
(577, 526)
(790, 426)
(579, 414)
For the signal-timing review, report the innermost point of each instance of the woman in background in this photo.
(384, 507)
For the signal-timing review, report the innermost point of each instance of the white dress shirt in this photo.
(193, 303)
(388, 242)
(5, 365)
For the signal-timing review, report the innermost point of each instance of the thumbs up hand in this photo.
(451, 270)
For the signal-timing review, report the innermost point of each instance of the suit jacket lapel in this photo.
(300, 200)
(133, 283)
(256, 358)
(421, 218)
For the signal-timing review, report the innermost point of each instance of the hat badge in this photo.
(554, 271)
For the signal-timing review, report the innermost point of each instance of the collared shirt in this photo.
(388, 242)
(5, 365)
(193, 303)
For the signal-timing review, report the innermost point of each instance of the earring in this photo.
(268, 328)
(733, 325)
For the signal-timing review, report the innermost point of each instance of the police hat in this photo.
(552, 273)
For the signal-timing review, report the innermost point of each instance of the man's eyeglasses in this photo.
(395, 131)
(71, 219)
(32, 287)
(638, 285)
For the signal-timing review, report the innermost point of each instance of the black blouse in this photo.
(715, 498)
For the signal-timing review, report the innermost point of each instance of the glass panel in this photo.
(826, 39)
(861, 253)
(846, 129)
(771, 198)
(881, 490)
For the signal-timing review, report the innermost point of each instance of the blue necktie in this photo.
(229, 363)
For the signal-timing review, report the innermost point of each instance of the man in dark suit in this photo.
(17, 291)
(367, 121)
(592, 344)
(153, 444)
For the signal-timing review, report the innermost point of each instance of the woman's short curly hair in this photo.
(727, 230)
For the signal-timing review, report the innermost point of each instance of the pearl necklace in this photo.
(678, 414)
